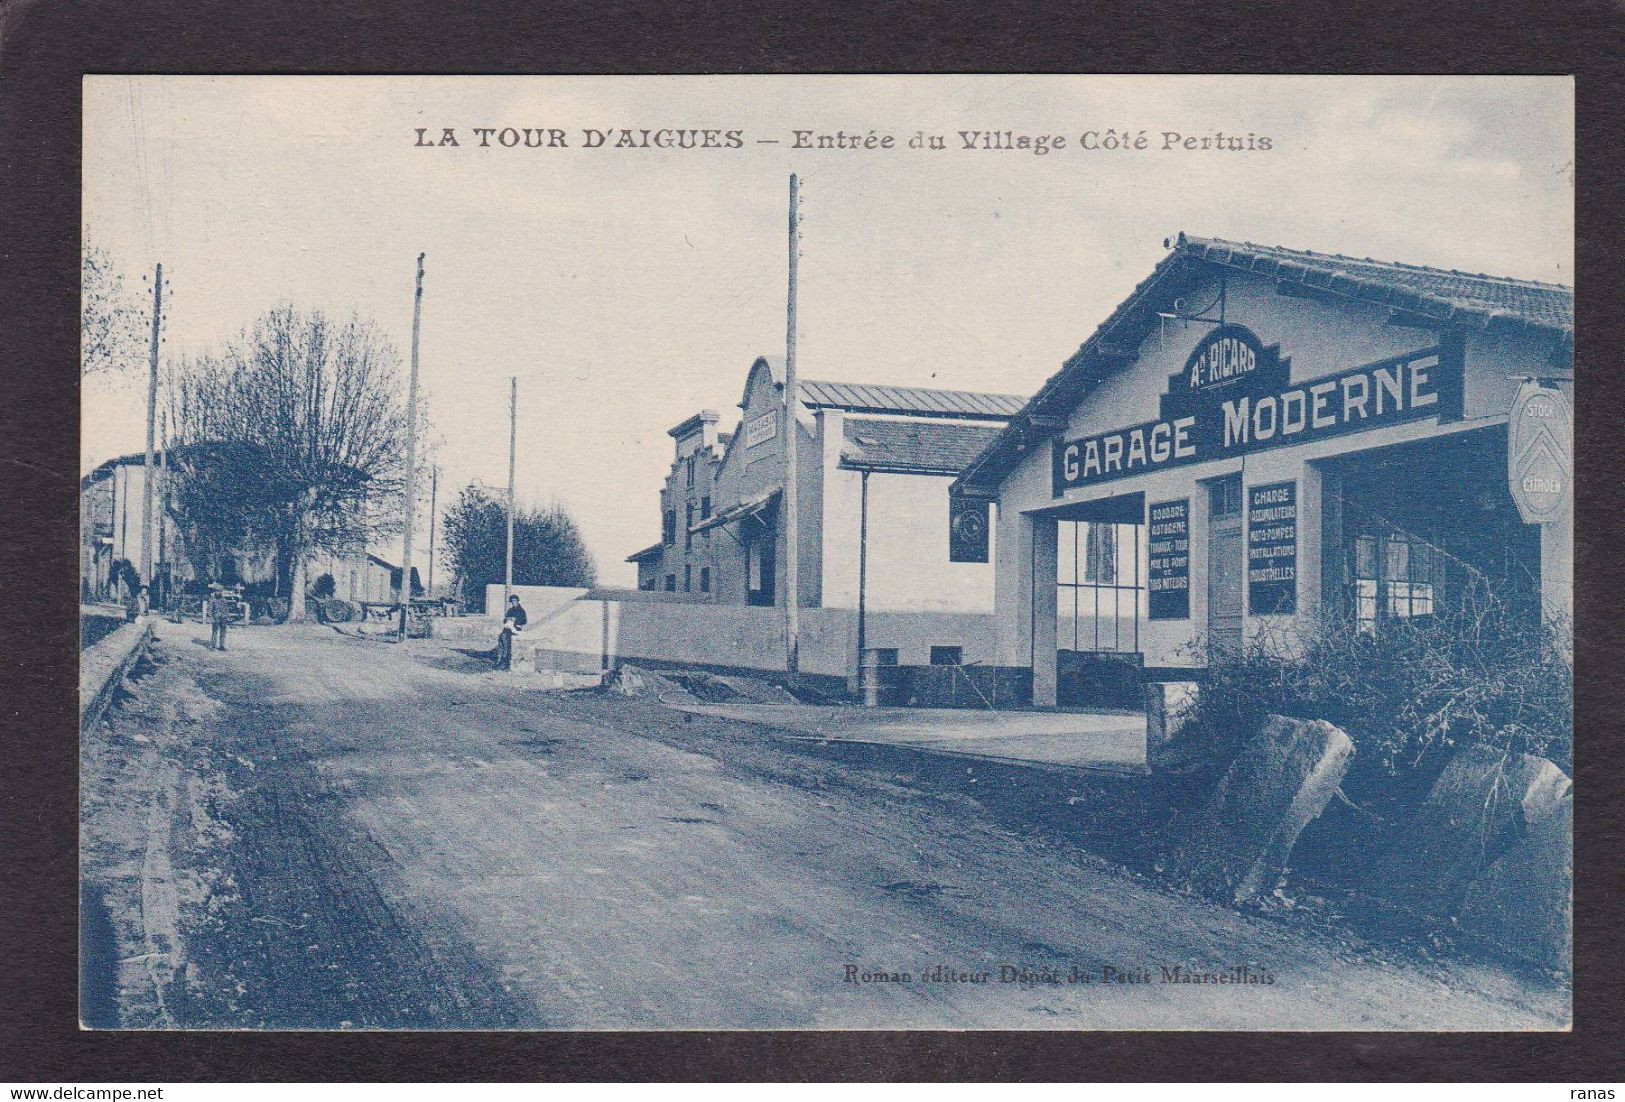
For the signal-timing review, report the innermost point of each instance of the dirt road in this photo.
(313, 830)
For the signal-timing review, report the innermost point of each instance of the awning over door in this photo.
(750, 507)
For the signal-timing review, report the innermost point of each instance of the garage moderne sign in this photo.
(1235, 395)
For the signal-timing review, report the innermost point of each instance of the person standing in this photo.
(220, 611)
(513, 622)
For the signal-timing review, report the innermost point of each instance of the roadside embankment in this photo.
(104, 665)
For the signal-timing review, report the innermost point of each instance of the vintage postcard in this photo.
(827, 552)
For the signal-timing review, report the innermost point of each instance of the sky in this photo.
(628, 288)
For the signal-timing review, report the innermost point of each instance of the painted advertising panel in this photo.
(1272, 549)
(1168, 576)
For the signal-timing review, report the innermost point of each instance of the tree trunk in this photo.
(299, 551)
(296, 590)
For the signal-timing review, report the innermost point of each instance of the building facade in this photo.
(1259, 438)
(675, 565)
(874, 466)
(110, 531)
(110, 528)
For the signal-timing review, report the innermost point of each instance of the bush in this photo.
(547, 546)
(324, 587)
(1407, 695)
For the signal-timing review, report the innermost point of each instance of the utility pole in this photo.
(864, 675)
(163, 496)
(152, 419)
(434, 489)
(792, 402)
(513, 436)
(411, 451)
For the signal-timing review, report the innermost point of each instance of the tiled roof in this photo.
(924, 446)
(869, 398)
(136, 459)
(1547, 305)
(1448, 297)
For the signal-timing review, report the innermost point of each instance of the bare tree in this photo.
(303, 417)
(112, 320)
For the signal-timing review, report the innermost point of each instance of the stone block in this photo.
(1282, 779)
(1524, 903)
(1480, 807)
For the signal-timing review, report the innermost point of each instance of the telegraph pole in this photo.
(792, 401)
(152, 419)
(411, 451)
(163, 495)
(513, 436)
(434, 489)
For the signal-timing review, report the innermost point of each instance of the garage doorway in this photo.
(1100, 602)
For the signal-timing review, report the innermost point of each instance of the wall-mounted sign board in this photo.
(761, 429)
(1235, 395)
(1272, 549)
(1168, 575)
(1540, 453)
(967, 529)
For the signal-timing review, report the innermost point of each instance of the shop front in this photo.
(1260, 441)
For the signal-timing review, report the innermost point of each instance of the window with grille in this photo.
(1099, 585)
(1393, 575)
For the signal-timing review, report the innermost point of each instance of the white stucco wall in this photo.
(908, 565)
(575, 632)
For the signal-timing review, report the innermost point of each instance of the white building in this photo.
(875, 464)
(1261, 436)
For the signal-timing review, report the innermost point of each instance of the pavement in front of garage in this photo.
(1110, 741)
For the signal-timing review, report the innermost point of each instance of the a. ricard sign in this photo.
(1228, 353)
(1235, 395)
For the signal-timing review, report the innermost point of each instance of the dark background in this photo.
(45, 47)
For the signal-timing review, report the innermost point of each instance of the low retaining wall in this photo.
(103, 667)
(570, 631)
(964, 686)
(540, 601)
(96, 625)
